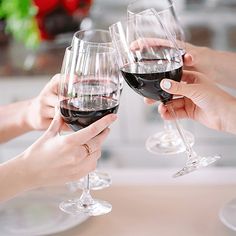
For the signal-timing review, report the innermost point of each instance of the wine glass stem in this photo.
(187, 145)
(167, 125)
(86, 199)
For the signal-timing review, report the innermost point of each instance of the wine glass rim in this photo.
(75, 36)
(69, 48)
(111, 50)
(171, 5)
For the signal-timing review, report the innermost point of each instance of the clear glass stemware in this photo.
(168, 140)
(98, 179)
(150, 55)
(90, 90)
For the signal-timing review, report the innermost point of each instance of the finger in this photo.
(179, 104)
(190, 77)
(65, 127)
(162, 108)
(176, 103)
(53, 84)
(151, 42)
(180, 114)
(84, 135)
(188, 59)
(173, 87)
(56, 124)
(53, 101)
(96, 142)
(149, 101)
(48, 113)
(85, 166)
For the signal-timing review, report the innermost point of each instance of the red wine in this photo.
(82, 111)
(144, 77)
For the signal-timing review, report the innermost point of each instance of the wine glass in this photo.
(152, 55)
(90, 90)
(227, 214)
(98, 180)
(167, 141)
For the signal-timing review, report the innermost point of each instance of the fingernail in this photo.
(166, 84)
(191, 57)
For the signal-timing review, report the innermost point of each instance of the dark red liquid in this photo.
(144, 77)
(80, 112)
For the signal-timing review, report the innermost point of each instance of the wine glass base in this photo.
(97, 180)
(168, 142)
(228, 215)
(76, 207)
(196, 164)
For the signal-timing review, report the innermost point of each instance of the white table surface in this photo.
(150, 202)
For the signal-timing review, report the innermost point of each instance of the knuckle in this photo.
(93, 129)
(67, 142)
(177, 88)
(55, 77)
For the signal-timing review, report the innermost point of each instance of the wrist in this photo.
(26, 121)
(228, 114)
(13, 178)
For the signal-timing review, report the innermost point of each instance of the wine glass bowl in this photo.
(143, 59)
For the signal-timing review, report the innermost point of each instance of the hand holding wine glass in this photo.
(203, 101)
(89, 91)
(98, 179)
(53, 159)
(145, 68)
(166, 141)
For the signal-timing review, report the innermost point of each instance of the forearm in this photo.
(218, 66)
(228, 114)
(13, 120)
(14, 179)
(224, 64)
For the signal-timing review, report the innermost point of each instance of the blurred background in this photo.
(32, 47)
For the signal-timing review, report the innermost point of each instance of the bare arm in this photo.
(54, 159)
(34, 114)
(13, 178)
(218, 66)
(13, 120)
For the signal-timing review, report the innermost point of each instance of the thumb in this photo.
(56, 124)
(178, 88)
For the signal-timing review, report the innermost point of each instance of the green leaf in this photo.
(21, 23)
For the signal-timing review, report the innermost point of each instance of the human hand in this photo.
(41, 109)
(200, 59)
(55, 159)
(203, 101)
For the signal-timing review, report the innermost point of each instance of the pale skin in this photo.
(52, 159)
(202, 99)
(33, 114)
(216, 65)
